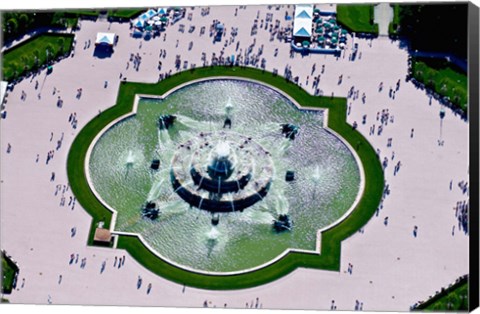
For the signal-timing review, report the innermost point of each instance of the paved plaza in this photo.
(391, 269)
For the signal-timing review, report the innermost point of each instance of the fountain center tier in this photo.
(221, 171)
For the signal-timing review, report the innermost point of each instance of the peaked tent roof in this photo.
(303, 14)
(105, 38)
(151, 13)
(302, 24)
(138, 23)
(144, 17)
(302, 32)
(306, 10)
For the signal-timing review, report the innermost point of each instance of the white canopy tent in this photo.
(302, 23)
(144, 17)
(151, 13)
(3, 90)
(139, 23)
(304, 11)
(302, 28)
(105, 39)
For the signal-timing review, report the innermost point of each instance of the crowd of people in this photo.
(247, 54)
(218, 31)
(253, 304)
(461, 212)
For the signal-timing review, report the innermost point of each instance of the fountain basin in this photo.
(220, 164)
(258, 117)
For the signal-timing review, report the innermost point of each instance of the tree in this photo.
(16, 24)
(61, 46)
(12, 26)
(430, 84)
(36, 61)
(24, 64)
(436, 27)
(58, 19)
(49, 51)
(24, 21)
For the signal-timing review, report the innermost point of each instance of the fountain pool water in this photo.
(224, 166)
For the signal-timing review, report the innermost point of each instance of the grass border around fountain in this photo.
(329, 257)
(164, 96)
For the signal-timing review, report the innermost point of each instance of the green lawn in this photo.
(84, 12)
(357, 18)
(454, 298)
(440, 76)
(392, 27)
(64, 19)
(21, 59)
(9, 269)
(119, 13)
(329, 258)
(125, 13)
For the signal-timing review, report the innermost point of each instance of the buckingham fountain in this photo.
(224, 175)
(220, 166)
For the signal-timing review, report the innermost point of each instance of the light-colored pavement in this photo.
(383, 15)
(391, 268)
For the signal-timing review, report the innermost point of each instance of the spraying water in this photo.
(213, 234)
(183, 232)
(316, 174)
(228, 107)
(130, 158)
(259, 217)
(281, 205)
(155, 191)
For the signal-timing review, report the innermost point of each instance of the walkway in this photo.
(462, 64)
(392, 269)
(383, 15)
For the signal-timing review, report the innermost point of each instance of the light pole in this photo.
(442, 116)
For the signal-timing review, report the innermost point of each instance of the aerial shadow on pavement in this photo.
(102, 53)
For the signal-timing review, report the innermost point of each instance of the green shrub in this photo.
(443, 78)
(33, 54)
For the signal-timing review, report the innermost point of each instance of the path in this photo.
(383, 15)
(462, 64)
(392, 269)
